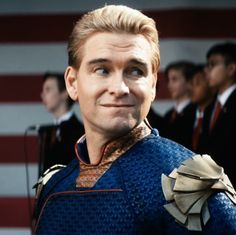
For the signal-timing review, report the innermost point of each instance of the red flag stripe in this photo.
(15, 211)
(172, 23)
(20, 88)
(19, 149)
(27, 88)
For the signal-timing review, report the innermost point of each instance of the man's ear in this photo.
(71, 82)
(232, 69)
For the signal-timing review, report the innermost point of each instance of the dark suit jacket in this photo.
(180, 130)
(220, 141)
(156, 121)
(59, 149)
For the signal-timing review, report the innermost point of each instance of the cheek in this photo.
(200, 92)
(144, 92)
(216, 75)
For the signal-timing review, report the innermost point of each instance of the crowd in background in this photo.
(204, 115)
(203, 118)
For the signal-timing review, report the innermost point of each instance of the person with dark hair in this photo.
(127, 179)
(179, 119)
(57, 144)
(219, 125)
(202, 95)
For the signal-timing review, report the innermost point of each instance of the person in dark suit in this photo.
(202, 95)
(219, 130)
(57, 145)
(156, 120)
(179, 119)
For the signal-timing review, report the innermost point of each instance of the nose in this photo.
(118, 86)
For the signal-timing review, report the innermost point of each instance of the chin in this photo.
(121, 128)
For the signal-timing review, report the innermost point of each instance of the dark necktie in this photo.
(174, 115)
(215, 115)
(196, 132)
(54, 135)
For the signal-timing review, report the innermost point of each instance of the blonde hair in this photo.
(113, 18)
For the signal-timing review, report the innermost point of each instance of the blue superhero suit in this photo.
(128, 198)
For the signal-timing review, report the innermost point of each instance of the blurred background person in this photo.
(155, 119)
(57, 145)
(179, 119)
(219, 125)
(201, 95)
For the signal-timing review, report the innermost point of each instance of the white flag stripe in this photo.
(32, 58)
(38, 58)
(14, 231)
(13, 179)
(15, 118)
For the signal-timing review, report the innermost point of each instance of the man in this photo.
(57, 145)
(219, 126)
(201, 95)
(180, 118)
(114, 187)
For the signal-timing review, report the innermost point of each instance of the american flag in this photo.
(33, 40)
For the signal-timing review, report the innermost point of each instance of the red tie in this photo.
(197, 132)
(215, 115)
(173, 115)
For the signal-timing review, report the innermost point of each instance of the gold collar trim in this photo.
(89, 174)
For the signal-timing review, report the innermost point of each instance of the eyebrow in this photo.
(98, 61)
(132, 61)
(138, 62)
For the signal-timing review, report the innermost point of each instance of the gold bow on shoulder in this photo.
(188, 187)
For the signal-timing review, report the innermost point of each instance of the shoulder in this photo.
(190, 109)
(55, 179)
(155, 155)
(230, 103)
(165, 152)
(168, 113)
(188, 188)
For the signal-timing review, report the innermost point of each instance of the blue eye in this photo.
(135, 72)
(101, 71)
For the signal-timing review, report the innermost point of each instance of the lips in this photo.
(118, 105)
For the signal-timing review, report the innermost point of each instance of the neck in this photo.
(181, 99)
(96, 142)
(226, 86)
(60, 111)
(95, 146)
(202, 105)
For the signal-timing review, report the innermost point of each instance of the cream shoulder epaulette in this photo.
(188, 187)
(45, 178)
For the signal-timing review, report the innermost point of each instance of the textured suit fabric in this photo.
(127, 199)
(220, 141)
(180, 129)
(60, 148)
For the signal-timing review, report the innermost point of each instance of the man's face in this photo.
(216, 71)
(115, 84)
(51, 96)
(177, 85)
(200, 88)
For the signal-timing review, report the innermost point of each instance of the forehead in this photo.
(50, 81)
(215, 57)
(174, 73)
(114, 46)
(199, 78)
